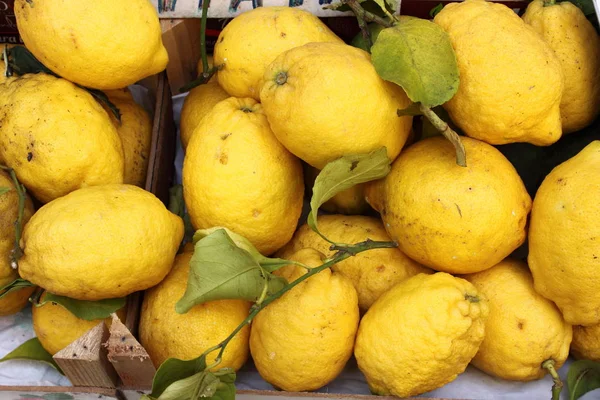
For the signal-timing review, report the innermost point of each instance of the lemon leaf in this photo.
(583, 377)
(177, 207)
(4, 190)
(417, 55)
(359, 40)
(219, 269)
(344, 173)
(102, 98)
(174, 370)
(269, 264)
(32, 350)
(371, 6)
(84, 309)
(15, 285)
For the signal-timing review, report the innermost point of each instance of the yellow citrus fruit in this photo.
(523, 329)
(108, 44)
(309, 97)
(586, 342)
(577, 44)
(164, 333)
(57, 137)
(197, 104)
(303, 340)
(253, 39)
(56, 327)
(100, 242)
(350, 201)
(511, 82)
(372, 272)
(135, 131)
(420, 334)
(238, 176)
(451, 218)
(564, 237)
(9, 209)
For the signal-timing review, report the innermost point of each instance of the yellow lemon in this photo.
(56, 327)
(135, 131)
(586, 342)
(253, 39)
(99, 44)
(197, 104)
(564, 237)
(420, 334)
(57, 137)
(100, 242)
(577, 44)
(511, 82)
(237, 175)
(303, 340)
(9, 209)
(164, 333)
(523, 330)
(309, 97)
(372, 272)
(451, 218)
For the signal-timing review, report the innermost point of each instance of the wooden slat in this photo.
(85, 361)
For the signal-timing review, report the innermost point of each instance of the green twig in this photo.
(343, 253)
(203, 54)
(444, 128)
(17, 252)
(364, 15)
(558, 385)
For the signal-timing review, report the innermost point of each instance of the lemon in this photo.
(523, 329)
(100, 242)
(197, 104)
(420, 334)
(372, 272)
(303, 340)
(586, 342)
(511, 82)
(451, 218)
(350, 201)
(101, 44)
(135, 131)
(56, 327)
(57, 137)
(9, 209)
(253, 39)
(564, 237)
(165, 334)
(309, 97)
(237, 175)
(577, 45)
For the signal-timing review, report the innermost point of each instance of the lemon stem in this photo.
(549, 3)
(363, 16)
(207, 72)
(444, 128)
(17, 252)
(558, 385)
(343, 253)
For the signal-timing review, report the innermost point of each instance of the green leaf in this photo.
(4, 190)
(32, 350)
(435, 10)
(23, 62)
(177, 207)
(369, 5)
(269, 264)
(583, 377)
(344, 173)
(359, 40)
(221, 270)
(174, 370)
(203, 384)
(15, 285)
(88, 310)
(417, 55)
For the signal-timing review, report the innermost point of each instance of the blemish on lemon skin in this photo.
(255, 213)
